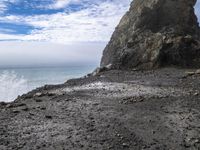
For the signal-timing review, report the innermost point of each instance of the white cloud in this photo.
(3, 6)
(95, 23)
(18, 53)
(61, 4)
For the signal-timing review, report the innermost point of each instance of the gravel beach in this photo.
(116, 110)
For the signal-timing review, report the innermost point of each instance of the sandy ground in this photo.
(129, 110)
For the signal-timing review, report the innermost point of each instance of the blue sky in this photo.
(60, 21)
(35, 27)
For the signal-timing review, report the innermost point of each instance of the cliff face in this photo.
(155, 33)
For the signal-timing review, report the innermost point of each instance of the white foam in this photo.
(12, 85)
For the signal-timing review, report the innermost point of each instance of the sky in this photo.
(42, 32)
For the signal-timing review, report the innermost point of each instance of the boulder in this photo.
(153, 34)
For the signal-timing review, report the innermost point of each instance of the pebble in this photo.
(125, 145)
(197, 71)
(9, 106)
(39, 94)
(43, 108)
(190, 73)
(25, 109)
(48, 116)
(196, 141)
(38, 100)
(16, 111)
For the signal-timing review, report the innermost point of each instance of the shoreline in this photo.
(112, 110)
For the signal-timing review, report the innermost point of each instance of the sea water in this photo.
(18, 81)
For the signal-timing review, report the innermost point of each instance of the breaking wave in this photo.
(12, 85)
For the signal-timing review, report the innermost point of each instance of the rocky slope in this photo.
(116, 110)
(155, 33)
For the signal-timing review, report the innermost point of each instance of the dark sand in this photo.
(117, 110)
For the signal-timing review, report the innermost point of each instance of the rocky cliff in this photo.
(155, 33)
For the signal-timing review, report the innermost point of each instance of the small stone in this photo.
(25, 109)
(197, 71)
(38, 94)
(32, 114)
(38, 100)
(196, 141)
(110, 147)
(43, 108)
(9, 106)
(153, 132)
(50, 94)
(125, 145)
(21, 104)
(16, 111)
(2, 104)
(118, 135)
(48, 116)
(196, 94)
(186, 145)
(190, 73)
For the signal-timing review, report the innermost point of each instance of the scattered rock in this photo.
(190, 73)
(25, 109)
(3, 104)
(38, 100)
(31, 114)
(196, 94)
(9, 106)
(82, 117)
(39, 94)
(16, 111)
(48, 116)
(43, 108)
(197, 71)
(125, 145)
(51, 94)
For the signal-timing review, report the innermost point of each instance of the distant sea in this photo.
(18, 81)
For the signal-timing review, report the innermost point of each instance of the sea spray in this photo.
(12, 85)
(18, 81)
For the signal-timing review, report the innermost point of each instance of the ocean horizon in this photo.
(16, 81)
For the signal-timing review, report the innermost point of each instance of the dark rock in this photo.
(31, 114)
(38, 100)
(39, 94)
(16, 111)
(51, 94)
(2, 104)
(43, 108)
(25, 109)
(125, 145)
(48, 116)
(155, 33)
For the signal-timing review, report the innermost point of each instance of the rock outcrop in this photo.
(155, 33)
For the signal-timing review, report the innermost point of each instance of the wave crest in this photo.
(11, 85)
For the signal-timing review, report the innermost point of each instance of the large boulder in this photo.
(155, 33)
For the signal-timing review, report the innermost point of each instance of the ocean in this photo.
(18, 81)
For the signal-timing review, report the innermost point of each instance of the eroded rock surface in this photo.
(155, 33)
